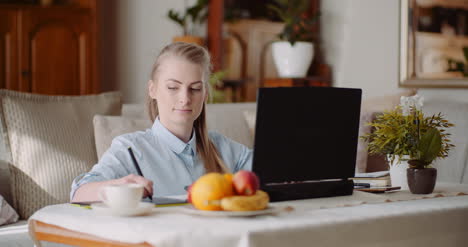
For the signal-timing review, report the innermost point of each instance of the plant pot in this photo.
(398, 172)
(189, 39)
(292, 61)
(421, 181)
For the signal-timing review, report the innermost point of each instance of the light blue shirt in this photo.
(163, 158)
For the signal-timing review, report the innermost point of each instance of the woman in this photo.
(177, 149)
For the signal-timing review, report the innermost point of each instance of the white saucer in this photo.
(143, 208)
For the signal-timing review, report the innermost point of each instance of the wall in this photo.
(360, 40)
(132, 33)
(368, 44)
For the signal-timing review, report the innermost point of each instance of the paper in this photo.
(372, 174)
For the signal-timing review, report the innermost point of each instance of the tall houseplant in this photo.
(294, 51)
(406, 132)
(192, 15)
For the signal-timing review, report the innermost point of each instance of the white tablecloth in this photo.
(362, 219)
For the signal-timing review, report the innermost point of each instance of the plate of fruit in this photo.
(216, 194)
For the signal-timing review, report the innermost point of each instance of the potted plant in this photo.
(195, 14)
(294, 51)
(406, 136)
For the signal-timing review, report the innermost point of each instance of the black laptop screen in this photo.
(306, 133)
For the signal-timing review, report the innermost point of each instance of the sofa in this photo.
(66, 135)
(112, 119)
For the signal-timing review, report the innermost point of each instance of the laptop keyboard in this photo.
(301, 190)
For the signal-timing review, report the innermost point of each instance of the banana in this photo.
(258, 201)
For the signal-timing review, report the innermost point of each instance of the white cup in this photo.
(121, 196)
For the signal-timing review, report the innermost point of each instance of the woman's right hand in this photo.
(89, 192)
(136, 179)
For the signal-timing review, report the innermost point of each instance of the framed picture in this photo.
(434, 43)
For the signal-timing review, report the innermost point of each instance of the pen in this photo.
(137, 167)
(81, 205)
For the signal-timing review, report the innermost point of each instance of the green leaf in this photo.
(197, 14)
(176, 18)
(298, 26)
(278, 12)
(430, 145)
(196, 11)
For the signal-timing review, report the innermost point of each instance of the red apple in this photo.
(245, 183)
(189, 193)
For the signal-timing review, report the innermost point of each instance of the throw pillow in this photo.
(51, 141)
(361, 155)
(7, 214)
(106, 128)
(250, 117)
(5, 188)
(228, 119)
(454, 168)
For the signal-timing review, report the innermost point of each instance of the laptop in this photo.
(306, 141)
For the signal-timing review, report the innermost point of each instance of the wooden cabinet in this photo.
(48, 50)
(8, 48)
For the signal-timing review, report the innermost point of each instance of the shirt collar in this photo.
(172, 141)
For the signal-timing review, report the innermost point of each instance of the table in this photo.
(362, 219)
(56, 234)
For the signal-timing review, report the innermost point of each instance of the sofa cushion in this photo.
(7, 214)
(51, 141)
(453, 168)
(228, 119)
(135, 110)
(250, 117)
(108, 127)
(5, 188)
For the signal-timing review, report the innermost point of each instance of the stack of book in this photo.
(372, 179)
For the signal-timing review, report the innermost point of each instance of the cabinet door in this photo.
(8, 49)
(55, 51)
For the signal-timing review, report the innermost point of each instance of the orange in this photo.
(209, 189)
(228, 177)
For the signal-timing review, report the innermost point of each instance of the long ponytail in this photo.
(197, 55)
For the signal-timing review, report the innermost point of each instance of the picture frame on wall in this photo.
(433, 43)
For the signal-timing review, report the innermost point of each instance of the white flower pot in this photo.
(292, 61)
(398, 175)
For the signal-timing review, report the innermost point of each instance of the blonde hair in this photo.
(197, 55)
